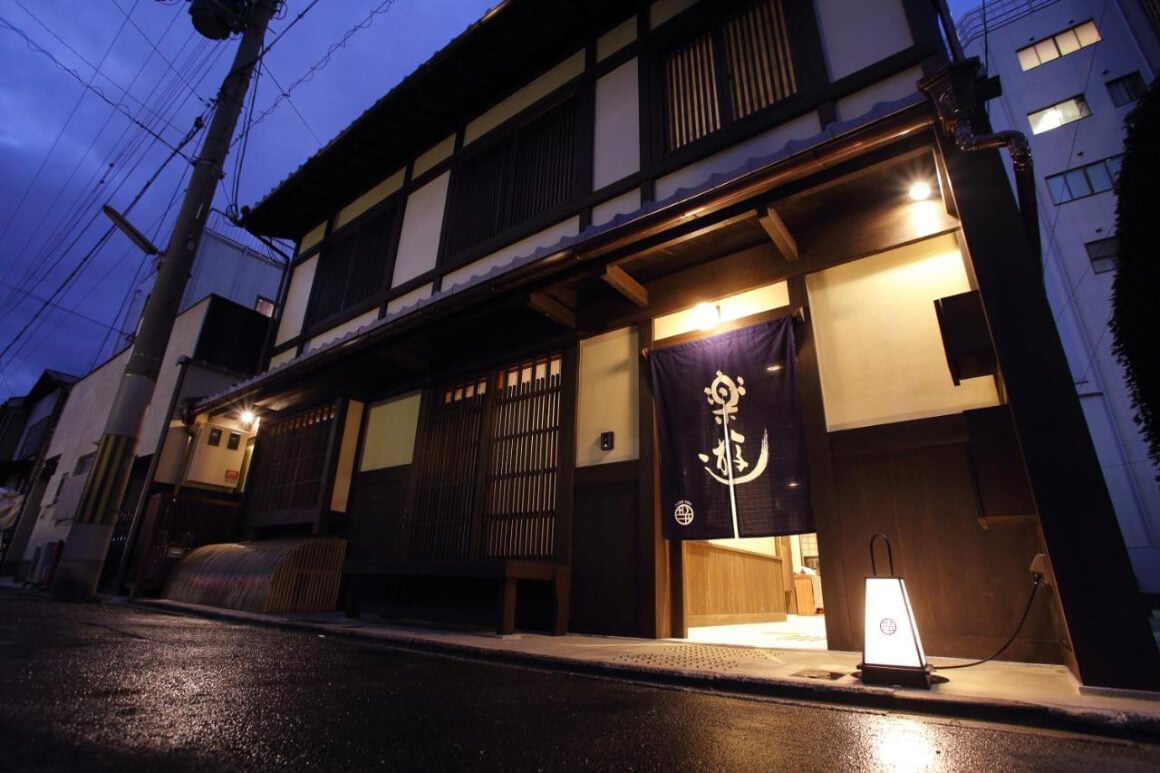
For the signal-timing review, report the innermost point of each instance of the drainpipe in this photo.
(135, 525)
(952, 90)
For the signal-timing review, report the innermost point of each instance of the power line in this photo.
(55, 305)
(96, 70)
(322, 63)
(89, 87)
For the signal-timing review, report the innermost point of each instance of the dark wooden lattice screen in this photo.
(440, 526)
(692, 108)
(529, 173)
(352, 266)
(758, 55)
(289, 472)
(749, 57)
(519, 515)
(486, 485)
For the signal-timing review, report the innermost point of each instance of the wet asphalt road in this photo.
(102, 687)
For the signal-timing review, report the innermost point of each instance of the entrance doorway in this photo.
(757, 592)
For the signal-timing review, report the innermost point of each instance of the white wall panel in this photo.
(369, 199)
(525, 97)
(763, 144)
(545, 238)
(615, 39)
(856, 35)
(422, 223)
(617, 135)
(608, 399)
(294, 309)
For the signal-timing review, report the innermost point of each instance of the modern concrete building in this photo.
(1070, 71)
(229, 264)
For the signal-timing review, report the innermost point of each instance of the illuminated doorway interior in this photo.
(757, 592)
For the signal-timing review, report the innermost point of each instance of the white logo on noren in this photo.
(683, 512)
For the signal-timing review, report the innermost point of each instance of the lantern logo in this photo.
(888, 626)
(725, 393)
(683, 512)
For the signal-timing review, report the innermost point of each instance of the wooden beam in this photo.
(552, 309)
(624, 284)
(782, 238)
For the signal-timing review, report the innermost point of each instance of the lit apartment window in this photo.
(1126, 90)
(1086, 180)
(1103, 254)
(264, 306)
(1061, 44)
(1058, 114)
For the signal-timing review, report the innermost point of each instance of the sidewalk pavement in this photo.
(1036, 695)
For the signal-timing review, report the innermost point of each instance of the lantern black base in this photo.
(897, 676)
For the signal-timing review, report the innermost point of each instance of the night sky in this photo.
(73, 72)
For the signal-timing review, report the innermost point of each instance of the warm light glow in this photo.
(706, 316)
(774, 368)
(904, 745)
(247, 418)
(920, 191)
(891, 635)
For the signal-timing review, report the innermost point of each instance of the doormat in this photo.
(818, 673)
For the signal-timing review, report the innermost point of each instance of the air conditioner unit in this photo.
(218, 454)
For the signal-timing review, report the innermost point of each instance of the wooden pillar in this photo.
(1106, 621)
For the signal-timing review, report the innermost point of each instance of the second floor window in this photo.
(735, 70)
(352, 266)
(1057, 115)
(533, 170)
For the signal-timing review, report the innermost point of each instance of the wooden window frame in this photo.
(800, 39)
(504, 147)
(327, 421)
(387, 216)
(458, 507)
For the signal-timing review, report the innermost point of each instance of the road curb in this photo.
(1111, 723)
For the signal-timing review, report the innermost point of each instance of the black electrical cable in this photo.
(1026, 610)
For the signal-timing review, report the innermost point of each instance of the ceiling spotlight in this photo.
(706, 315)
(920, 191)
(247, 418)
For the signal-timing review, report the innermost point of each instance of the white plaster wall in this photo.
(541, 87)
(880, 353)
(285, 356)
(340, 330)
(182, 342)
(369, 199)
(895, 87)
(743, 304)
(422, 223)
(617, 133)
(545, 238)
(615, 39)
(856, 35)
(294, 309)
(608, 397)
(663, 10)
(621, 205)
(390, 435)
(430, 158)
(313, 237)
(409, 299)
(727, 160)
(345, 468)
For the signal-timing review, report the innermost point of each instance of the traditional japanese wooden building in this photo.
(489, 257)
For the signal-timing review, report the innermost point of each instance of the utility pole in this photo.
(85, 550)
